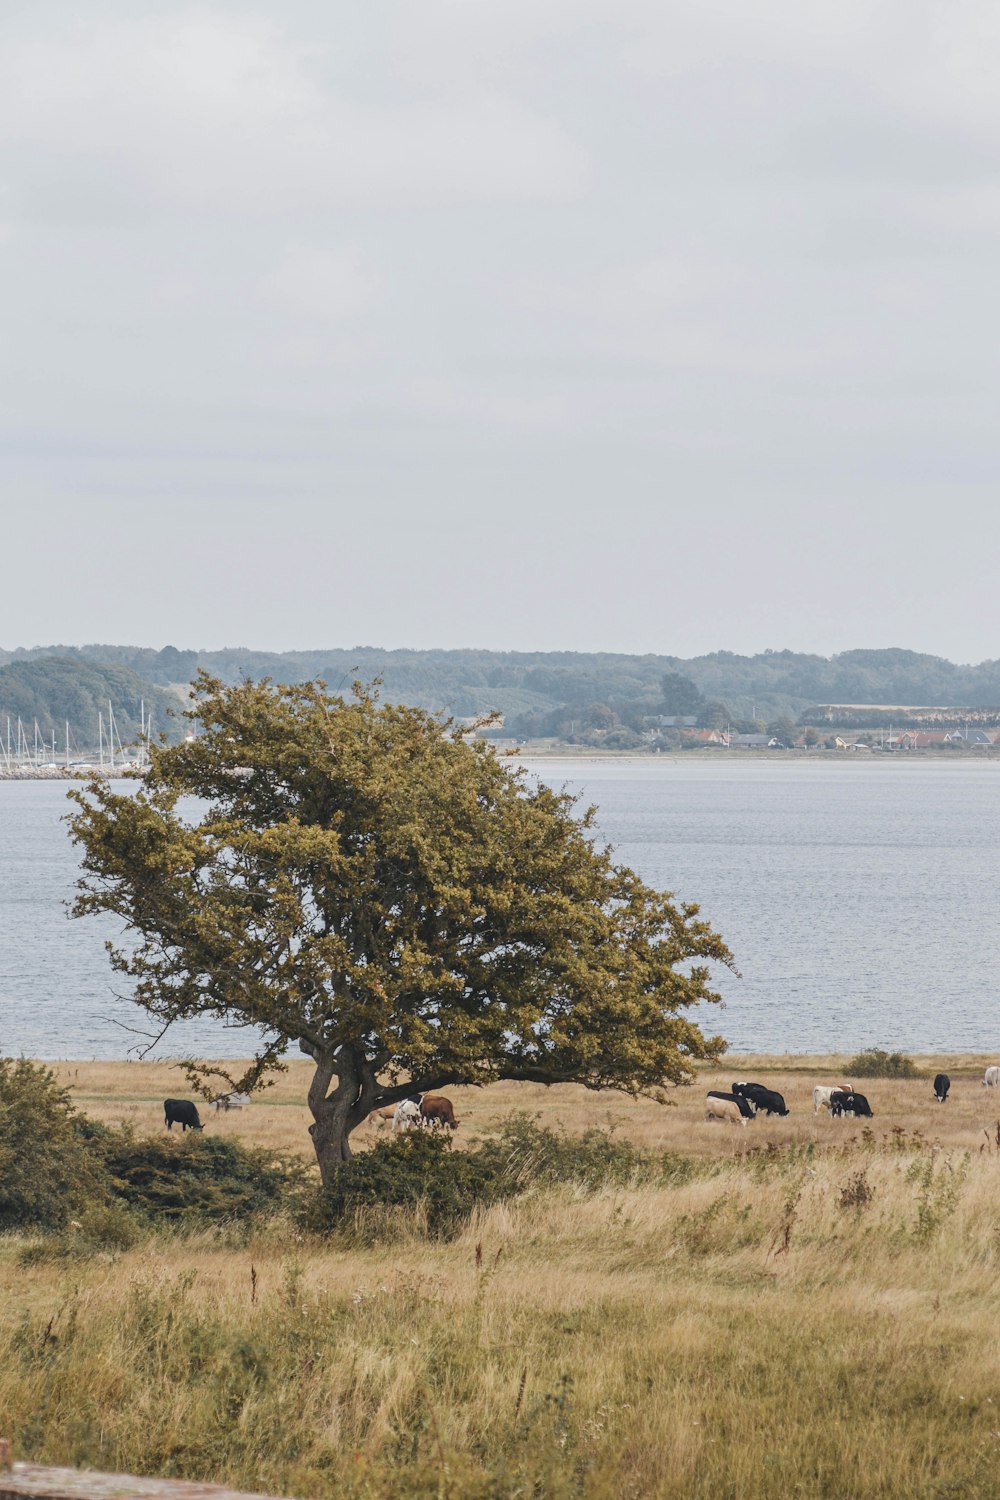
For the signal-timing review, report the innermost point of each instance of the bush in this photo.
(417, 1172)
(199, 1179)
(418, 1180)
(874, 1063)
(529, 1153)
(48, 1172)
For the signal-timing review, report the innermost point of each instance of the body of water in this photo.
(859, 899)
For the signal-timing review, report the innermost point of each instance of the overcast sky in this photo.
(643, 325)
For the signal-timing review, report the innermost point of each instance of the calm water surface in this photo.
(860, 901)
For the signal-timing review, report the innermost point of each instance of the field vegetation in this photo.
(663, 1308)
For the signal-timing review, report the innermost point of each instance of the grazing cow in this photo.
(992, 1078)
(377, 1116)
(724, 1109)
(182, 1112)
(822, 1092)
(746, 1108)
(942, 1083)
(761, 1098)
(843, 1102)
(436, 1110)
(406, 1116)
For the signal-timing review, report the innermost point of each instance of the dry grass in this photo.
(741, 1331)
(278, 1118)
(817, 1320)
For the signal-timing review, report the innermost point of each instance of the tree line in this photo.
(54, 691)
(564, 694)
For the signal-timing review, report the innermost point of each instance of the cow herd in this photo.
(433, 1110)
(746, 1100)
(743, 1102)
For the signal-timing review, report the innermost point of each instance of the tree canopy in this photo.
(357, 878)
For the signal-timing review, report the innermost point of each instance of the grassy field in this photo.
(810, 1310)
(278, 1118)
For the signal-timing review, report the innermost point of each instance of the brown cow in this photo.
(437, 1110)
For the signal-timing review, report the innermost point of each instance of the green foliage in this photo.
(404, 905)
(544, 692)
(530, 1154)
(938, 1191)
(55, 690)
(193, 1179)
(416, 1182)
(417, 1172)
(872, 1062)
(679, 696)
(713, 715)
(61, 1171)
(47, 1170)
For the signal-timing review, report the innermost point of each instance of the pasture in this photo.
(278, 1118)
(812, 1311)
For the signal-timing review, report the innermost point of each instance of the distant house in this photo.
(755, 742)
(921, 739)
(969, 736)
(704, 737)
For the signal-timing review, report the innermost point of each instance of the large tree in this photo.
(680, 696)
(357, 878)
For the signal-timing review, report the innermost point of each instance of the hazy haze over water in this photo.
(859, 901)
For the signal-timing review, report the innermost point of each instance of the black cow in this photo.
(745, 1107)
(182, 1112)
(942, 1083)
(763, 1098)
(842, 1103)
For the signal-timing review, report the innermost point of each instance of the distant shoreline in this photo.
(637, 757)
(680, 757)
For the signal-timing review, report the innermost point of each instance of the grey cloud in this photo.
(639, 325)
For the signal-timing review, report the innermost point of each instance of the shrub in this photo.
(872, 1062)
(529, 1153)
(418, 1180)
(194, 1179)
(857, 1191)
(48, 1173)
(417, 1172)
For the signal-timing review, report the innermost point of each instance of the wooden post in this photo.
(5, 1459)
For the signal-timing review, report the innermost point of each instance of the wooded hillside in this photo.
(539, 693)
(56, 690)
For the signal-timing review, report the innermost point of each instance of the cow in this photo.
(406, 1116)
(992, 1078)
(822, 1092)
(437, 1111)
(746, 1108)
(942, 1083)
(761, 1098)
(845, 1102)
(377, 1116)
(724, 1109)
(231, 1101)
(182, 1112)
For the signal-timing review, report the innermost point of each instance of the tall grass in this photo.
(788, 1322)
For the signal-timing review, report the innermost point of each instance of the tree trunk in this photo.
(337, 1113)
(332, 1147)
